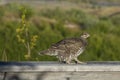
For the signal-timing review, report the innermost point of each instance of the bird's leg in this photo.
(59, 58)
(68, 61)
(77, 61)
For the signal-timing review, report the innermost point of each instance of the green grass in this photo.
(49, 25)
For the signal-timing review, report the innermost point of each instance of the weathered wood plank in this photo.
(56, 66)
(59, 71)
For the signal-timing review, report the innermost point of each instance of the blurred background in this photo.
(49, 21)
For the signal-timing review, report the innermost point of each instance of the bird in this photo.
(68, 50)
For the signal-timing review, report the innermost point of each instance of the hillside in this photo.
(55, 22)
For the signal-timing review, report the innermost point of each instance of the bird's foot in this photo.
(79, 62)
(63, 61)
(67, 62)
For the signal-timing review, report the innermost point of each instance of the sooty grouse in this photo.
(69, 49)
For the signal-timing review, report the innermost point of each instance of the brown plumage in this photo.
(69, 49)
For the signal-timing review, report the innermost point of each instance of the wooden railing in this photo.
(59, 71)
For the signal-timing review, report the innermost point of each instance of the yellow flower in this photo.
(18, 30)
(35, 36)
(18, 36)
(32, 44)
(22, 40)
(27, 56)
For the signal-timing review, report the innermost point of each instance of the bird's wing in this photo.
(63, 42)
(67, 42)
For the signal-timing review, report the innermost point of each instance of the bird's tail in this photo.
(49, 52)
(44, 52)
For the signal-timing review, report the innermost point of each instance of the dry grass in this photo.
(109, 10)
(103, 11)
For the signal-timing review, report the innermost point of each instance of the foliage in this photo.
(49, 26)
(27, 11)
(23, 34)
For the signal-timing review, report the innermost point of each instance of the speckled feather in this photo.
(67, 49)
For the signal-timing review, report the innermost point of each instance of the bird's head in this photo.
(85, 35)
